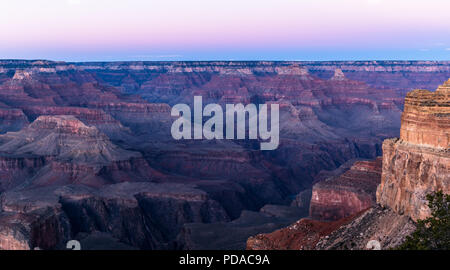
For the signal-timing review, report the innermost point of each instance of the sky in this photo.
(118, 30)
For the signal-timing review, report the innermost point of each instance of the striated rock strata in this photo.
(419, 162)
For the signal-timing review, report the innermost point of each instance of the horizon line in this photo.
(225, 60)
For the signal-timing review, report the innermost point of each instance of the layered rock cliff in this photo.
(419, 162)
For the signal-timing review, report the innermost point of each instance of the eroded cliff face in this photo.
(419, 162)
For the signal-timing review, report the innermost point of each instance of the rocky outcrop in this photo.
(22, 75)
(425, 119)
(419, 162)
(347, 194)
(338, 75)
(65, 137)
(89, 116)
(382, 225)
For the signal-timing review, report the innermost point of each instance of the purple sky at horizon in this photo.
(109, 30)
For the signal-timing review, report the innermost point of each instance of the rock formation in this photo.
(425, 119)
(383, 225)
(302, 235)
(419, 162)
(338, 75)
(62, 149)
(66, 138)
(347, 194)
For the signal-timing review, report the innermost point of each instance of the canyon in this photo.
(86, 151)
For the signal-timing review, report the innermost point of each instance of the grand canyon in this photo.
(86, 154)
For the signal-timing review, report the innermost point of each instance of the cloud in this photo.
(447, 49)
(424, 50)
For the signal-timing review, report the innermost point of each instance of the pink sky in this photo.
(201, 29)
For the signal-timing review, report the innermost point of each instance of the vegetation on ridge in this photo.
(432, 233)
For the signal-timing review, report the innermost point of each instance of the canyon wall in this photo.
(419, 162)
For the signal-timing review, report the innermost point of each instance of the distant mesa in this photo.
(22, 75)
(66, 138)
(294, 69)
(338, 75)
